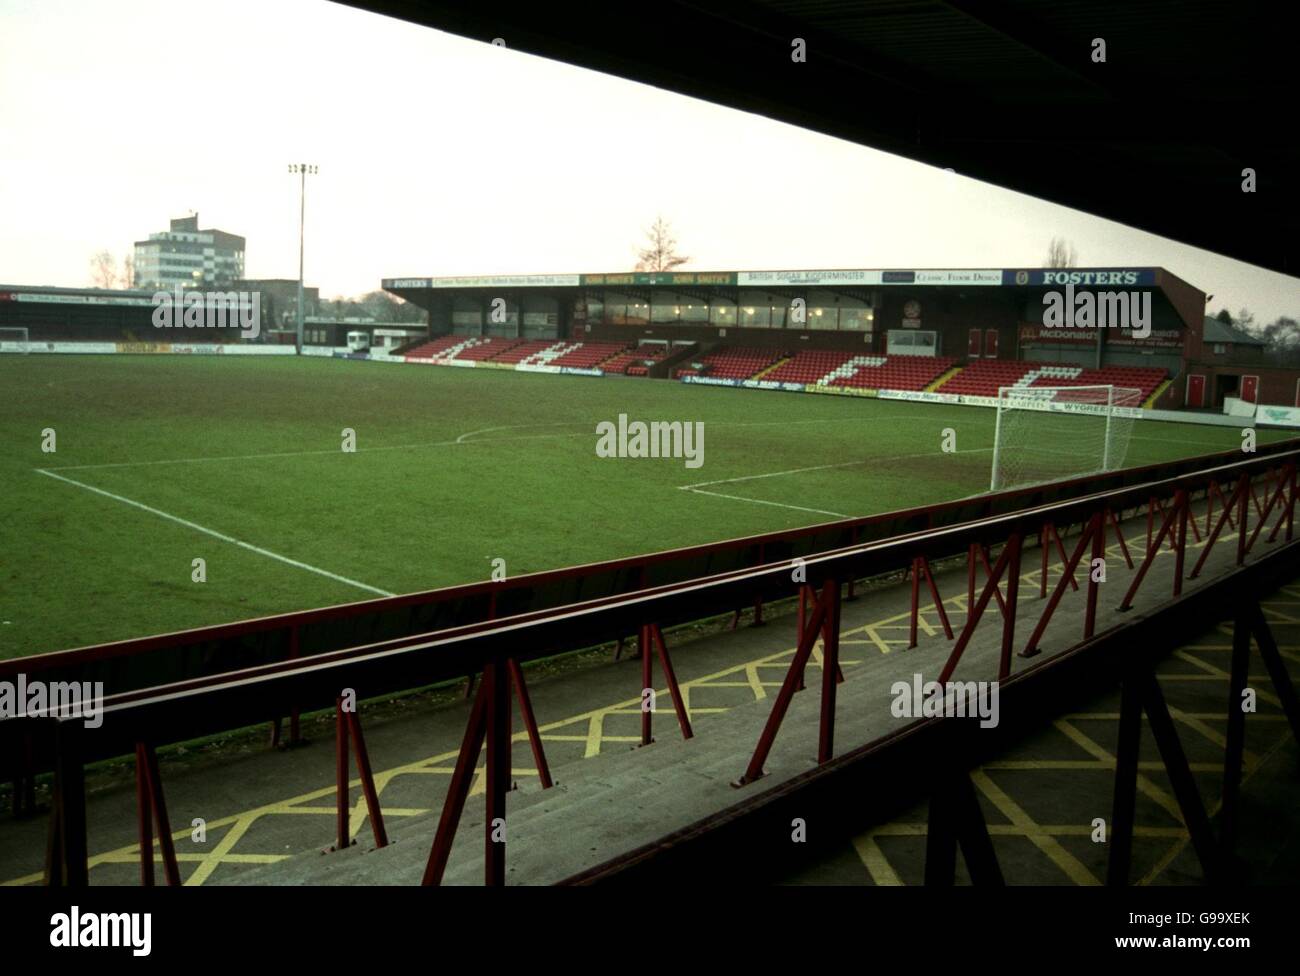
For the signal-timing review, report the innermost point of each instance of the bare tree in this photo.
(103, 270)
(661, 254)
(383, 307)
(128, 271)
(1061, 254)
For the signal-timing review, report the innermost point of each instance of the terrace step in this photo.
(776, 365)
(1154, 398)
(614, 801)
(930, 388)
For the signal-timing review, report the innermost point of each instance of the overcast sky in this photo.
(443, 156)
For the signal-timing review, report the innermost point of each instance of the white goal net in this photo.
(13, 340)
(1050, 433)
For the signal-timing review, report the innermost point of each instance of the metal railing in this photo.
(140, 720)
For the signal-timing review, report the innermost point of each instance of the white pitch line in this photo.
(287, 454)
(823, 467)
(760, 501)
(770, 474)
(217, 535)
(698, 487)
(460, 441)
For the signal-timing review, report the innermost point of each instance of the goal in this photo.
(13, 340)
(1050, 433)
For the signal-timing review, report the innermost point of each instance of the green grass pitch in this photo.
(239, 461)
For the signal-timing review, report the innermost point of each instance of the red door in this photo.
(975, 344)
(1250, 389)
(991, 344)
(1195, 390)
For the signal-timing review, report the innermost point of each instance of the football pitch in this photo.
(160, 461)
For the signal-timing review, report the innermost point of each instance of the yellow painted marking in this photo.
(1070, 865)
(1213, 808)
(1148, 788)
(876, 863)
(1215, 673)
(223, 847)
(1067, 764)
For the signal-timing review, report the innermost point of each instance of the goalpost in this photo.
(1050, 433)
(13, 339)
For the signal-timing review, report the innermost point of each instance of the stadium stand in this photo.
(552, 352)
(485, 349)
(811, 367)
(588, 355)
(526, 350)
(821, 367)
(519, 352)
(733, 362)
(985, 377)
(913, 373)
(643, 363)
(633, 361)
(443, 347)
(1144, 378)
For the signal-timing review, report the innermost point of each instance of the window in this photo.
(822, 317)
(696, 311)
(660, 312)
(856, 319)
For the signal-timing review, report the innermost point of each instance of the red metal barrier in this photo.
(202, 705)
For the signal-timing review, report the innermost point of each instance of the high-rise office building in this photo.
(188, 256)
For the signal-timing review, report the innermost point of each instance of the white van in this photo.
(358, 341)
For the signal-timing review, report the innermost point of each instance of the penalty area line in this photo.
(699, 487)
(217, 535)
(760, 501)
(826, 467)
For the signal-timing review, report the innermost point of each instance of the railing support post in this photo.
(530, 724)
(496, 680)
(830, 669)
(955, 818)
(458, 790)
(66, 856)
